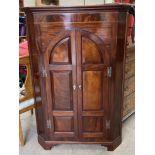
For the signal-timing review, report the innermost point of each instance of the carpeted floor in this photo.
(33, 148)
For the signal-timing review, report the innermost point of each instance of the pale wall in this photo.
(29, 3)
(70, 2)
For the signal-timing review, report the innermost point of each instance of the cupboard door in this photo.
(60, 62)
(92, 61)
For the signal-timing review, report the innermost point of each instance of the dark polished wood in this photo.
(72, 50)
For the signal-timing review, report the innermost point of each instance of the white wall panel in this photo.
(71, 2)
(109, 1)
(29, 3)
(94, 2)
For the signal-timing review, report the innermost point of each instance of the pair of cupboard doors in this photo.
(77, 62)
(77, 76)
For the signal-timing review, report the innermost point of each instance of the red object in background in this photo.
(117, 1)
(131, 17)
(123, 1)
(23, 49)
(126, 1)
(130, 24)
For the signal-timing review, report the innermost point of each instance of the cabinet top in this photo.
(116, 6)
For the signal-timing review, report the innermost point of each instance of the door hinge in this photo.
(107, 124)
(48, 124)
(109, 71)
(44, 73)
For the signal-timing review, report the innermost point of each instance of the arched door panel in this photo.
(93, 83)
(60, 59)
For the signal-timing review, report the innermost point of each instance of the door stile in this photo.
(44, 97)
(106, 102)
(74, 72)
(106, 93)
(49, 97)
(79, 79)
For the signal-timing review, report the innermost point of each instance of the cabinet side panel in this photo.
(34, 60)
(118, 77)
(129, 96)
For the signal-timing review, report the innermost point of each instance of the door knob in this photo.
(74, 87)
(80, 86)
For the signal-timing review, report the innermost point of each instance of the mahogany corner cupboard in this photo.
(77, 61)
